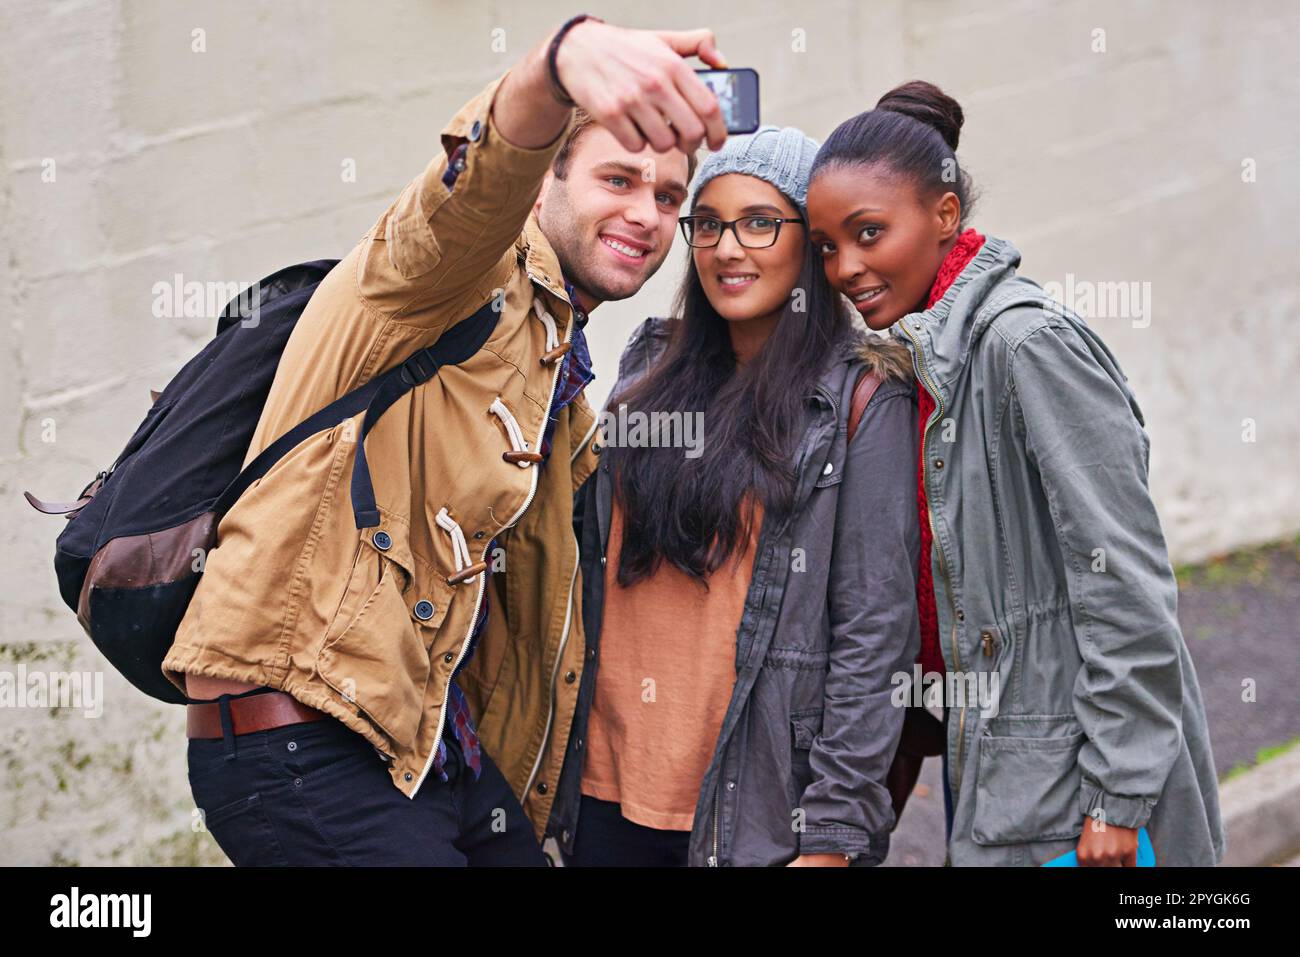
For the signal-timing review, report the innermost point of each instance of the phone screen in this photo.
(737, 93)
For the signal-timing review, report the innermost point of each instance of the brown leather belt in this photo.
(259, 712)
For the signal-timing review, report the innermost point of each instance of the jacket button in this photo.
(449, 657)
(424, 609)
(476, 131)
(577, 744)
(382, 541)
(408, 775)
(938, 463)
(591, 653)
(564, 835)
(829, 469)
(602, 559)
(542, 788)
(570, 677)
(480, 533)
(596, 447)
(961, 615)
(731, 785)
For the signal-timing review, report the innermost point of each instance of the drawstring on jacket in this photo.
(554, 348)
(460, 549)
(519, 451)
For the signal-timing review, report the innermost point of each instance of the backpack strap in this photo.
(455, 345)
(68, 509)
(452, 348)
(867, 384)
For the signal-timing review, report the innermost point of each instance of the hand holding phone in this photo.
(637, 84)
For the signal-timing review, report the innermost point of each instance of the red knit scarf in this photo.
(931, 657)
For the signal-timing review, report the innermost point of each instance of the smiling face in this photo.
(881, 242)
(611, 219)
(740, 282)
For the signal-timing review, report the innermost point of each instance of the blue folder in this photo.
(1146, 854)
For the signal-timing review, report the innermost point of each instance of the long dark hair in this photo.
(914, 131)
(688, 510)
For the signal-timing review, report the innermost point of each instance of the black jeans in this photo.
(605, 838)
(317, 794)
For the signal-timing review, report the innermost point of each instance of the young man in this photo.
(363, 675)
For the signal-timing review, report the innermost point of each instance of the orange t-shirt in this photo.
(665, 676)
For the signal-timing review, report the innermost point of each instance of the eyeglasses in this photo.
(752, 232)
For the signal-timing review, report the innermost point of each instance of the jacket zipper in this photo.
(713, 858)
(482, 578)
(446, 696)
(564, 635)
(573, 577)
(934, 538)
(568, 620)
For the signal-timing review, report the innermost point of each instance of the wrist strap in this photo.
(557, 88)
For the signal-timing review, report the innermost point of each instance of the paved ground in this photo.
(1241, 620)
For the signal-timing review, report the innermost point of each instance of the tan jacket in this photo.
(295, 597)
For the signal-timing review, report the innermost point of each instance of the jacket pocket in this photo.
(379, 659)
(1027, 780)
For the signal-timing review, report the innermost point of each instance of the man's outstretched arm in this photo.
(443, 241)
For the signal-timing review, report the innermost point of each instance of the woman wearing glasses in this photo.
(748, 596)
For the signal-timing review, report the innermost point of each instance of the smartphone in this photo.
(737, 93)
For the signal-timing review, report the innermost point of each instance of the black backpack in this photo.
(139, 534)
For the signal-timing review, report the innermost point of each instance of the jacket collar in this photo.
(947, 330)
(539, 259)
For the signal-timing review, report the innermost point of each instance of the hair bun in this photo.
(927, 103)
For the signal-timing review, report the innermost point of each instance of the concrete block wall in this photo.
(143, 139)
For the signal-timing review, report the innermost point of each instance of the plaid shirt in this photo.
(575, 374)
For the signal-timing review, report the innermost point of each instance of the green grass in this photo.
(1261, 756)
(1244, 566)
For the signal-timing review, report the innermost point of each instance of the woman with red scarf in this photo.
(1046, 597)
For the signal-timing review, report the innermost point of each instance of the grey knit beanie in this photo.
(782, 157)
